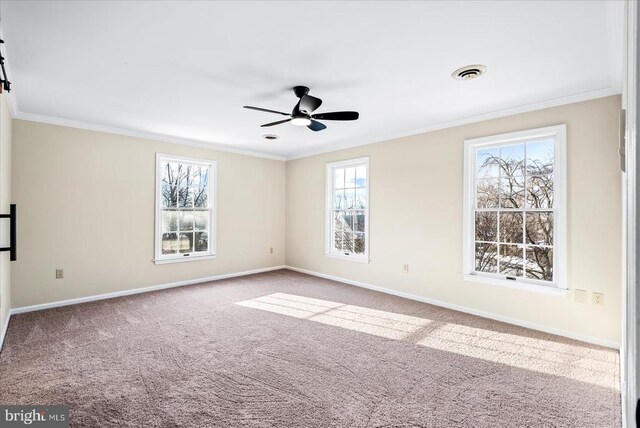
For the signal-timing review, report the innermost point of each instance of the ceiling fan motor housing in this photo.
(300, 91)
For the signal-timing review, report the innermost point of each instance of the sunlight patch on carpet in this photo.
(379, 323)
(568, 360)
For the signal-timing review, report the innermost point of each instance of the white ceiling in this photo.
(183, 70)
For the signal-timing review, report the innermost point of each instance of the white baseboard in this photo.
(472, 311)
(93, 298)
(3, 333)
(465, 309)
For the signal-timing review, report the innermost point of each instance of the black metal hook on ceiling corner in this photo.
(4, 79)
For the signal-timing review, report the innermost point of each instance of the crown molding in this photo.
(51, 120)
(365, 140)
(585, 96)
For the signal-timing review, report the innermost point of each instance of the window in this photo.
(347, 230)
(515, 208)
(185, 203)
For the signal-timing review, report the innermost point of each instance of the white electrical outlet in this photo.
(597, 298)
(405, 268)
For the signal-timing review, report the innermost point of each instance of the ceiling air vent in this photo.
(469, 72)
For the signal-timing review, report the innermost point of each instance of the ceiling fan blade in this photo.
(309, 104)
(275, 123)
(316, 126)
(338, 115)
(266, 109)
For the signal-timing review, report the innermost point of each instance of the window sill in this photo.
(184, 259)
(358, 259)
(545, 289)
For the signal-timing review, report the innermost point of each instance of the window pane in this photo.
(361, 176)
(347, 242)
(488, 163)
(350, 177)
(486, 226)
(512, 159)
(348, 219)
(177, 172)
(202, 241)
(337, 241)
(201, 197)
(170, 173)
(487, 193)
(358, 243)
(540, 228)
(511, 192)
(337, 232)
(191, 172)
(540, 263)
(511, 227)
(169, 243)
(169, 221)
(540, 191)
(343, 231)
(185, 243)
(185, 197)
(338, 199)
(486, 258)
(201, 220)
(338, 178)
(192, 177)
(540, 157)
(169, 195)
(186, 220)
(359, 221)
(361, 198)
(336, 229)
(349, 197)
(511, 260)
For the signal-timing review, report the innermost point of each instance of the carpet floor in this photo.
(290, 350)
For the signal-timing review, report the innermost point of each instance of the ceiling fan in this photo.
(302, 113)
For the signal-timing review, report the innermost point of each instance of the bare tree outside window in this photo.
(185, 210)
(514, 195)
(348, 210)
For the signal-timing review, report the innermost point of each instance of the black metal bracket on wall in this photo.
(13, 240)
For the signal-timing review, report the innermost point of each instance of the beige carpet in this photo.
(286, 349)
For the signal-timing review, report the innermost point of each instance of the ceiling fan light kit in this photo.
(302, 113)
(301, 121)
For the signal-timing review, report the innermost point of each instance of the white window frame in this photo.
(559, 284)
(212, 200)
(329, 250)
